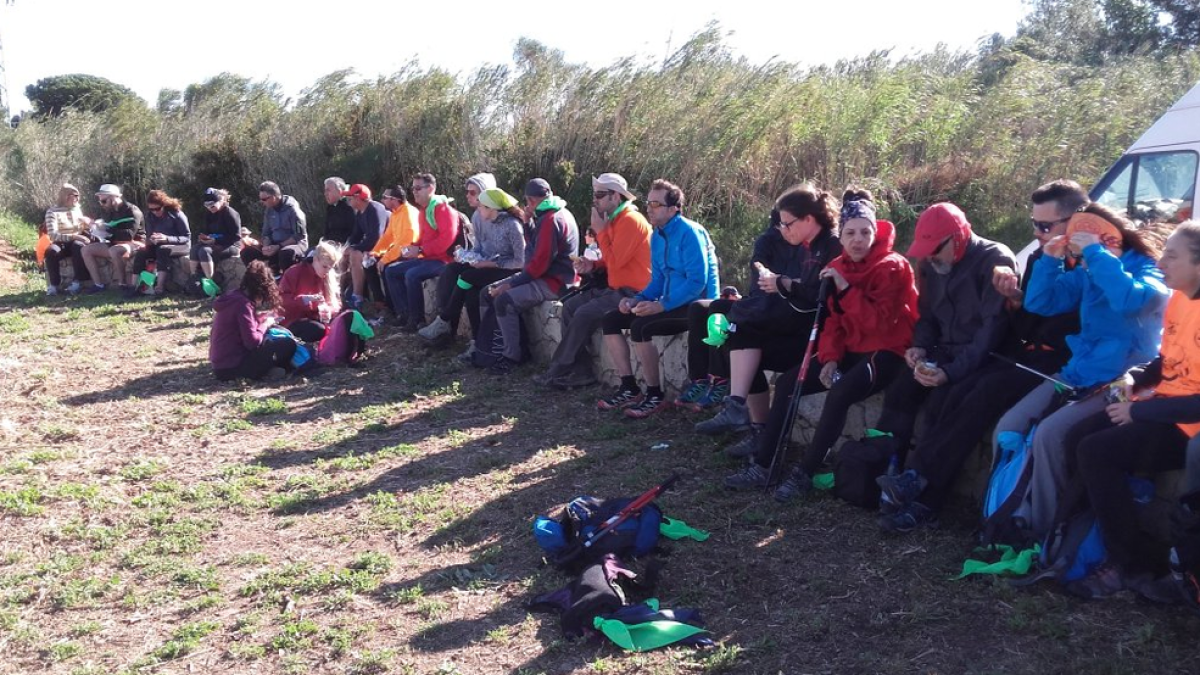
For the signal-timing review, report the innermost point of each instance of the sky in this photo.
(148, 46)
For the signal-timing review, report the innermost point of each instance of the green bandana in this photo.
(463, 284)
(718, 330)
(1016, 562)
(551, 203)
(434, 202)
(360, 327)
(677, 529)
(147, 278)
(642, 637)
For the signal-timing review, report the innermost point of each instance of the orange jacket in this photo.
(625, 250)
(400, 232)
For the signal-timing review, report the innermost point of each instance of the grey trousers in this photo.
(1049, 453)
(581, 317)
(508, 308)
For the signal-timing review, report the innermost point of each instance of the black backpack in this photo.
(489, 342)
(858, 464)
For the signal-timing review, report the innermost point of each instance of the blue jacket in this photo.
(1121, 303)
(683, 265)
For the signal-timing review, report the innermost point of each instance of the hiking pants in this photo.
(452, 299)
(163, 256)
(642, 328)
(206, 253)
(703, 359)
(1105, 459)
(971, 409)
(581, 316)
(70, 249)
(255, 366)
(1048, 450)
(280, 260)
(404, 282)
(508, 307)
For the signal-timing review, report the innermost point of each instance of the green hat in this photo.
(718, 330)
(498, 199)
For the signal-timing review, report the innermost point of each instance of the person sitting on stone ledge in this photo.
(370, 220)
(872, 309)
(773, 326)
(438, 229)
(683, 269)
(66, 227)
(284, 230)
(499, 253)
(623, 238)
(553, 239)
(123, 235)
(168, 237)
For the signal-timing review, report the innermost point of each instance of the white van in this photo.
(1155, 180)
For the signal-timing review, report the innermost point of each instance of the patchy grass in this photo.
(377, 520)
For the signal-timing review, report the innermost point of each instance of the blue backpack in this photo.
(1006, 505)
(1075, 546)
(636, 536)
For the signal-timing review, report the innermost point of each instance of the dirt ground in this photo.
(377, 520)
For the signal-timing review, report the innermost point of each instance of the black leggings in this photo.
(206, 253)
(255, 366)
(702, 359)
(71, 249)
(452, 298)
(309, 330)
(642, 328)
(862, 375)
(780, 350)
(1105, 459)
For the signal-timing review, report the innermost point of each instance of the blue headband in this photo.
(857, 208)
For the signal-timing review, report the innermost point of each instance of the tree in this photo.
(52, 95)
(1183, 30)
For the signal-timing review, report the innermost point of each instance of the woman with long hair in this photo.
(168, 236)
(311, 293)
(238, 345)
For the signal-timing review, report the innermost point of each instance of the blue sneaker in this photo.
(693, 393)
(902, 489)
(908, 518)
(717, 392)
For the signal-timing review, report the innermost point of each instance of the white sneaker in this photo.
(74, 287)
(465, 357)
(51, 289)
(436, 328)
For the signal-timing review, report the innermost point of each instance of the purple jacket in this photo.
(235, 330)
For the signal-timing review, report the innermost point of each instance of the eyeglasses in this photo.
(655, 205)
(154, 207)
(1044, 226)
(783, 225)
(264, 199)
(601, 194)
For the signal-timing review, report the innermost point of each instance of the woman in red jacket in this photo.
(872, 308)
(311, 295)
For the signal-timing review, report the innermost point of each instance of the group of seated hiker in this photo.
(1081, 357)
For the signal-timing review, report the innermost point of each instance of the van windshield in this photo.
(1152, 187)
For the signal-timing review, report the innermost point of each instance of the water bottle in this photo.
(894, 466)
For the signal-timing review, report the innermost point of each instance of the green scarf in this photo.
(642, 637)
(551, 203)
(616, 212)
(434, 202)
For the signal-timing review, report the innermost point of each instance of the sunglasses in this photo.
(265, 199)
(1044, 226)
(601, 194)
(154, 207)
(655, 205)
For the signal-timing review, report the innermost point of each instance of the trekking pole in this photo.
(794, 401)
(1039, 373)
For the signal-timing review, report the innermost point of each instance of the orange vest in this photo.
(1181, 352)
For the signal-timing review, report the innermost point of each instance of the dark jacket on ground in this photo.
(339, 221)
(962, 316)
(235, 330)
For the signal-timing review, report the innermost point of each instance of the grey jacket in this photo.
(502, 240)
(284, 222)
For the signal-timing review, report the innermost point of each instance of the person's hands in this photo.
(1120, 413)
(626, 305)
(204, 239)
(81, 239)
(583, 265)
(324, 312)
(1006, 282)
(647, 308)
(1082, 240)
(930, 377)
(827, 372)
(913, 356)
(496, 290)
(598, 222)
(1056, 247)
(269, 249)
(838, 279)
(157, 238)
(409, 252)
(767, 279)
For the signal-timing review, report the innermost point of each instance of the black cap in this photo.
(538, 187)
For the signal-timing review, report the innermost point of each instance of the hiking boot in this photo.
(908, 518)
(436, 329)
(1103, 582)
(797, 484)
(51, 290)
(466, 356)
(901, 489)
(692, 393)
(400, 321)
(734, 417)
(73, 288)
(551, 374)
(355, 301)
(1162, 590)
(716, 394)
(748, 445)
(750, 478)
(649, 405)
(574, 380)
(502, 366)
(623, 398)
(275, 374)
(95, 288)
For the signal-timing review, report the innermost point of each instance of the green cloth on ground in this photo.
(823, 481)
(147, 278)
(677, 529)
(1011, 561)
(642, 637)
(211, 289)
(360, 327)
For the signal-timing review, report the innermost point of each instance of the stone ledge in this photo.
(229, 273)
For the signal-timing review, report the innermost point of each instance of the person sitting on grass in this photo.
(683, 269)
(238, 346)
(66, 227)
(872, 309)
(310, 293)
(499, 253)
(772, 327)
(168, 236)
(1148, 432)
(221, 238)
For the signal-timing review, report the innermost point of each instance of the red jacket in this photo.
(299, 280)
(878, 310)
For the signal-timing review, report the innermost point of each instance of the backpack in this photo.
(342, 344)
(465, 239)
(1005, 505)
(583, 516)
(489, 341)
(859, 463)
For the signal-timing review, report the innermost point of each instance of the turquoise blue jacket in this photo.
(683, 265)
(1120, 301)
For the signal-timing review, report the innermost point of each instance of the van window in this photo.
(1154, 187)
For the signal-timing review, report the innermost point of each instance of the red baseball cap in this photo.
(936, 224)
(358, 190)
